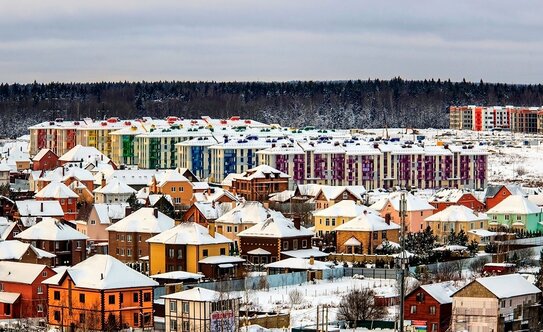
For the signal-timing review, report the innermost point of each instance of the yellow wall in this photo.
(157, 258)
(320, 223)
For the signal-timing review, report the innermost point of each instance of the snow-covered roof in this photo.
(482, 232)
(24, 273)
(154, 198)
(447, 195)
(305, 253)
(507, 286)
(188, 233)
(143, 221)
(344, 208)
(515, 204)
(300, 264)
(367, 222)
(115, 186)
(212, 211)
(9, 297)
(456, 213)
(258, 252)
(227, 181)
(84, 153)
(15, 250)
(132, 177)
(57, 190)
(249, 212)
(168, 176)
(50, 229)
(262, 172)
(103, 272)
(352, 241)
(196, 294)
(29, 209)
(177, 275)
(222, 259)
(333, 192)
(441, 292)
(6, 227)
(283, 196)
(40, 154)
(275, 226)
(414, 203)
(108, 212)
(451, 247)
(213, 195)
(4, 167)
(536, 199)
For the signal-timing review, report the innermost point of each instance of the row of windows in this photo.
(121, 237)
(294, 244)
(122, 251)
(111, 298)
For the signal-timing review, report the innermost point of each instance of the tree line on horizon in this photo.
(331, 104)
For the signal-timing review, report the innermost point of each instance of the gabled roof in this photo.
(115, 186)
(212, 211)
(83, 153)
(57, 190)
(50, 229)
(333, 192)
(103, 272)
(275, 226)
(456, 213)
(108, 212)
(367, 222)
(441, 292)
(506, 286)
(177, 275)
(32, 208)
(15, 250)
(414, 203)
(23, 273)
(143, 221)
(344, 208)
(5, 227)
(188, 233)
(213, 195)
(168, 176)
(249, 212)
(515, 204)
(448, 195)
(196, 294)
(262, 172)
(41, 154)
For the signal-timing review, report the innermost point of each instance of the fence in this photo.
(377, 273)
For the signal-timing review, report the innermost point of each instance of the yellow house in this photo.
(326, 220)
(456, 218)
(184, 247)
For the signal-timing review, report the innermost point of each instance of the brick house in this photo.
(44, 160)
(256, 184)
(430, 306)
(447, 197)
(276, 234)
(58, 238)
(67, 198)
(361, 235)
(17, 251)
(128, 236)
(495, 194)
(22, 294)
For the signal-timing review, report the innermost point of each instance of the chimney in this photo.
(101, 276)
(155, 212)
(387, 218)
(41, 206)
(63, 170)
(213, 204)
(81, 163)
(296, 221)
(127, 210)
(103, 182)
(311, 260)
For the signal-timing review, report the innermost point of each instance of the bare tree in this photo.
(296, 297)
(359, 305)
(476, 266)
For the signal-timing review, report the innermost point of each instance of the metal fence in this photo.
(377, 273)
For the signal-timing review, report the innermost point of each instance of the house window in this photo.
(128, 252)
(146, 297)
(181, 189)
(185, 307)
(139, 238)
(413, 309)
(179, 253)
(223, 251)
(229, 229)
(39, 307)
(173, 189)
(434, 327)
(82, 298)
(285, 245)
(345, 195)
(56, 295)
(235, 229)
(327, 222)
(173, 324)
(519, 217)
(295, 244)
(494, 217)
(93, 222)
(205, 253)
(129, 238)
(81, 318)
(56, 315)
(135, 297)
(304, 243)
(40, 289)
(420, 297)
(375, 235)
(136, 318)
(432, 310)
(111, 299)
(186, 326)
(333, 221)
(78, 244)
(384, 235)
(171, 253)
(173, 305)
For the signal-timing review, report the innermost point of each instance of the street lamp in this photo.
(402, 259)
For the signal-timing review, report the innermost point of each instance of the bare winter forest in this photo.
(334, 104)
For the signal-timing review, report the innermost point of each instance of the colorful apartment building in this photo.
(99, 294)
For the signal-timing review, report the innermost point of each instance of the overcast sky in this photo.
(495, 40)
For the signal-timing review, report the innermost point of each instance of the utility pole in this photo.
(402, 259)
(317, 318)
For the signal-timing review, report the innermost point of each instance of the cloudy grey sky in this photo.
(242, 40)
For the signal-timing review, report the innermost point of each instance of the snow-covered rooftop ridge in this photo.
(17, 272)
(368, 221)
(196, 294)
(344, 208)
(275, 226)
(300, 264)
(414, 203)
(248, 212)
(83, 153)
(188, 233)
(15, 250)
(507, 286)
(262, 172)
(103, 272)
(441, 292)
(50, 229)
(515, 204)
(457, 213)
(447, 195)
(144, 220)
(56, 190)
(108, 212)
(115, 186)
